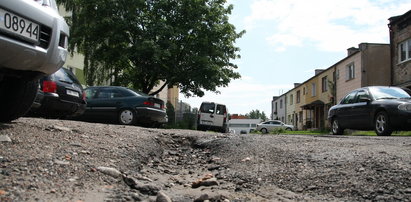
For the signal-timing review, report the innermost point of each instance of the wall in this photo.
(400, 31)
(344, 86)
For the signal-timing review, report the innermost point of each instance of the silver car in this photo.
(268, 126)
(33, 43)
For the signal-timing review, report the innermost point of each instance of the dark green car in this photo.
(123, 105)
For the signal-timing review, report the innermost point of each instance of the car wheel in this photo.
(382, 127)
(17, 96)
(335, 128)
(264, 130)
(126, 117)
(289, 129)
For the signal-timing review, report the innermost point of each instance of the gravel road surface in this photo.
(61, 160)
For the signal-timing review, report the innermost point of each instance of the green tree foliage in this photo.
(137, 43)
(256, 114)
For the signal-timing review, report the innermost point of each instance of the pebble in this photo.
(109, 171)
(162, 197)
(5, 138)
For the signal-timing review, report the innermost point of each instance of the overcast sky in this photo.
(286, 40)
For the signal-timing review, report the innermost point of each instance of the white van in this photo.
(213, 116)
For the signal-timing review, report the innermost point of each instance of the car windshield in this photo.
(388, 93)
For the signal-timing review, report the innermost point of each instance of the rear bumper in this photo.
(151, 115)
(53, 105)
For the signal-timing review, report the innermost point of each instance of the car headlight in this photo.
(405, 107)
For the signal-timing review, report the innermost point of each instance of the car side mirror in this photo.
(365, 99)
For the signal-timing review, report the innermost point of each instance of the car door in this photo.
(103, 105)
(344, 111)
(275, 125)
(220, 114)
(207, 111)
(360, 111)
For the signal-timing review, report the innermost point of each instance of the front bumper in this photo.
(21, 55)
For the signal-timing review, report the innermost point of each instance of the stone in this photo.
(59, 162)
(131, 182)
(110, 171)
(162, 197)
(148, 189)
(202, 198)
(5, 138)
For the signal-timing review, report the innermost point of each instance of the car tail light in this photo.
(148, 103)
(49, 87)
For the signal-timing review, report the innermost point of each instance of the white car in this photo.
(268, 126)
(213, 116)
(33, 43)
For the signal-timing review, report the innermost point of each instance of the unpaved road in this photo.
(60, 160)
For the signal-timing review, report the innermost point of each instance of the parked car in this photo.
(60, 95)
(33, 41)
(380, 108)
(268, 126)
(123, 105)
(213, 116)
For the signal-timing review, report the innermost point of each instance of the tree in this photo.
(256, 114)
(138, 43)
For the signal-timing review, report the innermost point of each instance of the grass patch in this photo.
(372, 133)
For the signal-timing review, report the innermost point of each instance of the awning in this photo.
(317, 103)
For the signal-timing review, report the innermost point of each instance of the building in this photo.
(307, 104)
(367, 65)
(279, 108)
(400, 40)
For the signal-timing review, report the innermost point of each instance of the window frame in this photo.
(324, 86)
(350, 72)
(406, 45)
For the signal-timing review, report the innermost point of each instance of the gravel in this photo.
(61, 160)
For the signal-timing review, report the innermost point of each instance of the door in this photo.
(103, 106)
(207, 111)
(360, 111)
(344, 112)
(220, 115)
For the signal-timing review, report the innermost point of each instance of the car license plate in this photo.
(157, 105)
(20, 26)
(73, 93)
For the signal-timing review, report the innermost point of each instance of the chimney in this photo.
(351, 51)
(296, 84)
(318, 71)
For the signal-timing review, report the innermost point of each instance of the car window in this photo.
(362, 95)
(221, 109)
(207, 108)
(64, 76)
(105, 93)
(350, 98)
(91, 93)
(388, 93)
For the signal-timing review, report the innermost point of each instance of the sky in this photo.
(286, 40)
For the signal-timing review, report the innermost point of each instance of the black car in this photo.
(60, 95)
(380, 108)
(123, 105)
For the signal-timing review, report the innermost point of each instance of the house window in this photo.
(350, 71)
(291, 99)
(324, 84)
(313, 90)
(404, 50)
(304, 91)
(281, 104)
(337, 74)
(298, 96)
